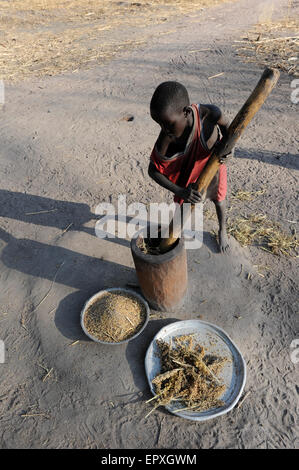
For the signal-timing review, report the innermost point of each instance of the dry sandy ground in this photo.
(65, 147)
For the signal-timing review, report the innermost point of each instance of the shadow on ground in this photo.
(286, 160)
(136, 350)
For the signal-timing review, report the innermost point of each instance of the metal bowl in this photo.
(97, 296)
(215, 341)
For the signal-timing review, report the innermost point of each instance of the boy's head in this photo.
(170, 108)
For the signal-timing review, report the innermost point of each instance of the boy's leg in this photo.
(222, 234)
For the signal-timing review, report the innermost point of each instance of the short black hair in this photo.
(169, 95)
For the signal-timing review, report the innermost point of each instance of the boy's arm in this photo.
(187, 194)
(218, 117)
(223, 123)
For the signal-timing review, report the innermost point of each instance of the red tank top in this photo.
(184, 168)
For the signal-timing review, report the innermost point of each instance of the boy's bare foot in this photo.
(223, 241)
(222, 234)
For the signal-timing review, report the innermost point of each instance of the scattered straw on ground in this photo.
(247, 195)
(188, 376)
(258, 229)
(115, 316)
(46, 37)
(273, 44)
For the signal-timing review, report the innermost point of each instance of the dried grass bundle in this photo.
(188, 376)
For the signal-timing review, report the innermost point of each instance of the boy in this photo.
(187, 138)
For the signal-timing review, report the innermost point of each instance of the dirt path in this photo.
(65, 148)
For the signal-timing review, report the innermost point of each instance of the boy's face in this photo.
(171, 122)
